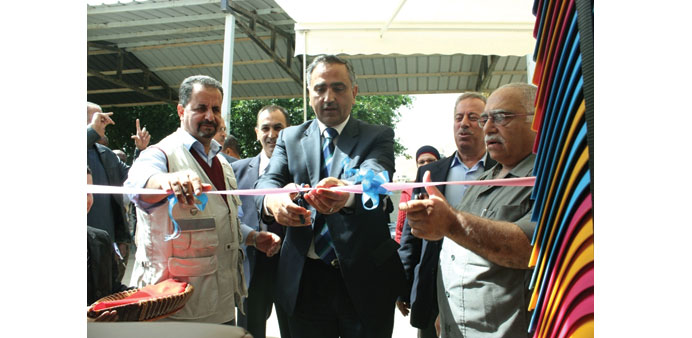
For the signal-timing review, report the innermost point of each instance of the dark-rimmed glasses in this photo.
(499, 117)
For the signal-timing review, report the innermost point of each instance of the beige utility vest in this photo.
(207, 254)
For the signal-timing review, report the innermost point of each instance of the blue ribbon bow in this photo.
(371, 183)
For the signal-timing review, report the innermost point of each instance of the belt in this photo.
(334, 263)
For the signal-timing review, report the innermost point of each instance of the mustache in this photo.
(494, 138)
(330, 105)
(465, 131)
(210, 123)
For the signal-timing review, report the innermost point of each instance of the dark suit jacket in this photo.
(246, 172)
(116, 171)
(102, 266)
(421, 257)
(369, 263)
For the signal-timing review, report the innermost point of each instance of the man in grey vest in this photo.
(202, 247)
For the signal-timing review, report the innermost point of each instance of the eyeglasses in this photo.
(499, 117)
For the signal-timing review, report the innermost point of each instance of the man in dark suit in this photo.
(108, 211)
(421, 257)
(340, 273)
(260, 270)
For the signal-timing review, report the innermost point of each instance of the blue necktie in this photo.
(323, 241)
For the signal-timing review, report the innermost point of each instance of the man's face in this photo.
(468, 135)
(511, 143)
(331, 93)
(269, 124)
(424, 159)
(221, 133)
(90, 198)
(202, 115)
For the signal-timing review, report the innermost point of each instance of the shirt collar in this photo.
(457, 161)
(523, 169)
(192, 143)
(338, 127)
(264, 162)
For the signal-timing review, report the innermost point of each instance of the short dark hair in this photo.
(185, 91)
(272, 107)
(231, 142)
(329, 59)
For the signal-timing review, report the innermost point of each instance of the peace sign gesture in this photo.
(142, 137)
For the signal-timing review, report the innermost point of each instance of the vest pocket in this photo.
(201, 273)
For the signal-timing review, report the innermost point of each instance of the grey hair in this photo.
(329, 59)
(272, 107)
(528, 95)
(469, 95)
(185, 91)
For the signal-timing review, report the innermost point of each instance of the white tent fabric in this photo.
(485, 27)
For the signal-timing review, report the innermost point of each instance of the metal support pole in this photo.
(227, 71)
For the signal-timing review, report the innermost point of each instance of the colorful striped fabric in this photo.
(562, 284)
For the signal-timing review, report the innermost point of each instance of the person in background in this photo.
(108, 210)
(231, 148)
(261, 268)
(424, 155)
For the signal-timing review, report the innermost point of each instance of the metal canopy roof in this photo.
(139, 52)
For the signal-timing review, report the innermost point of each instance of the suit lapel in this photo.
(345, 144)
(438, 173)
(312, 151)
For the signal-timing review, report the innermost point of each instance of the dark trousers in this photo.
(324, 309)
(258, 304)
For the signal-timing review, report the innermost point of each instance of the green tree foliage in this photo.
(162, 120)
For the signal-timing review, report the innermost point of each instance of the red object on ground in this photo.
(165, 288)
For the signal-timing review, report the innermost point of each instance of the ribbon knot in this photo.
(172, 201)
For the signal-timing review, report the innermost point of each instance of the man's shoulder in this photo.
(367, 126)
(297, 129)
(242, 163)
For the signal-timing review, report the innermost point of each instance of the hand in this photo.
(429, 218)
(185, 185)
(326, 201)
(403, 307)
(105, 316)
(142, 137)
(437, 325)
(124, 248)
(267, 242)
(99, 121)
(285, 211)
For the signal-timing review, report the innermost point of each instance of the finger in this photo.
(189, 191)
(137, 125)
(177, 190)
(431, 190)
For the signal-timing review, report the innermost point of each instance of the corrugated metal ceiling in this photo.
(139, 53)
